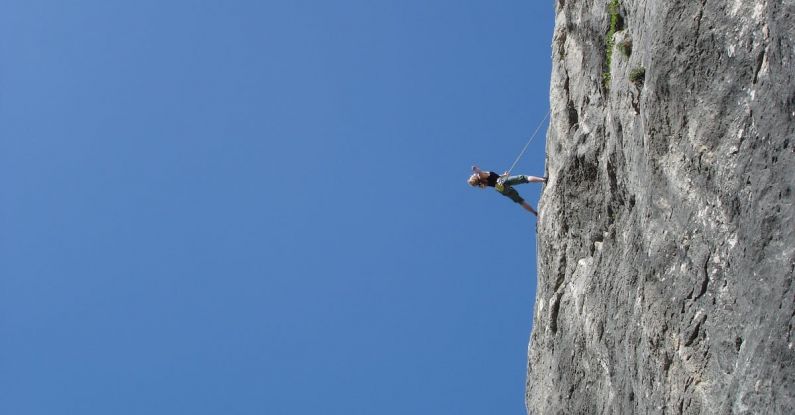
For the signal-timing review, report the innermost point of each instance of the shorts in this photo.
(510, 193)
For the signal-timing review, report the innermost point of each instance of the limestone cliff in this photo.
(666, 237)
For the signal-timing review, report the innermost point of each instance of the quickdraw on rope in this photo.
(508, 173)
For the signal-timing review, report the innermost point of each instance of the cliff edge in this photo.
(666, 237)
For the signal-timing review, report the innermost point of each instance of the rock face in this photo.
(667, 236)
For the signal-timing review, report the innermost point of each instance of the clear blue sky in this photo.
(260, 207)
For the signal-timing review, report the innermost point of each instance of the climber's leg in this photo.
(520, 179)
(529, 208)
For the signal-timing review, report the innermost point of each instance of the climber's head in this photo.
(476, 181)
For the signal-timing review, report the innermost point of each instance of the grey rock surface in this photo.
(666, 236)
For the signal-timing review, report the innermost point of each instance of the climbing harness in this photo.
(508, 173)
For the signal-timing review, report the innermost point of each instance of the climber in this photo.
(504, 184)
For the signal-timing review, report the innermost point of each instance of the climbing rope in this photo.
(508, 173)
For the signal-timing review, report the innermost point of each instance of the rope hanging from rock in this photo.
(508, 173)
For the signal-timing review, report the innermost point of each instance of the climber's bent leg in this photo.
(529, 208)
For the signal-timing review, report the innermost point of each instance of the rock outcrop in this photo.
(667, 236)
